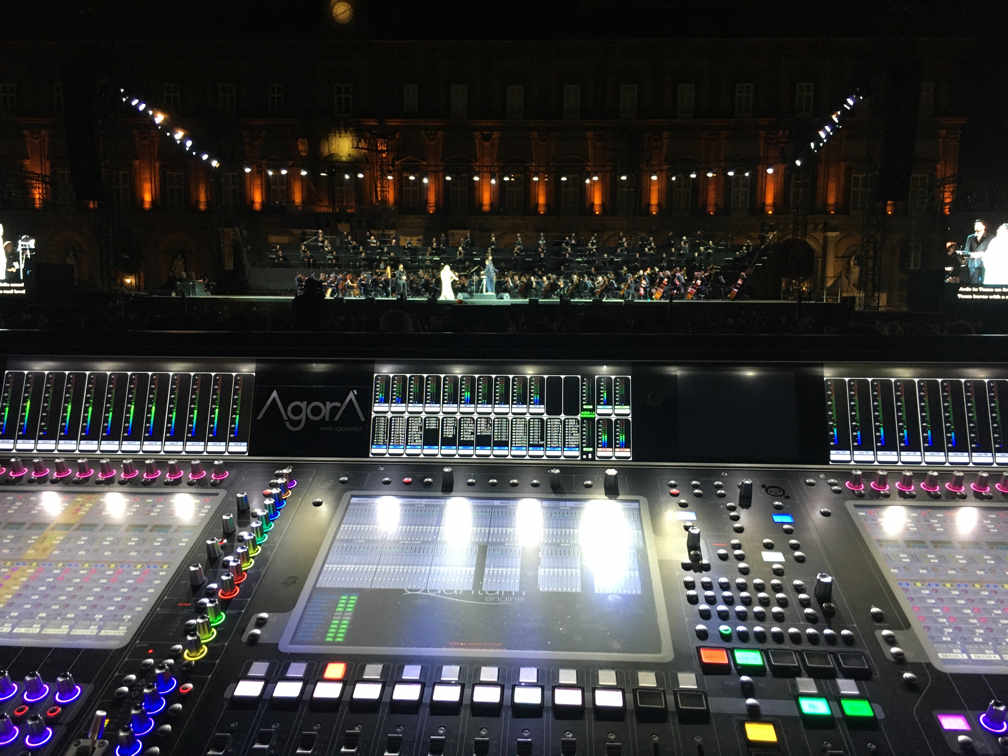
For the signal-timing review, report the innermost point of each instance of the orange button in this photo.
(713, 657)
(334, 671)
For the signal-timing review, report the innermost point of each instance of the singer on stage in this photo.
(976, 247)
(489, 276)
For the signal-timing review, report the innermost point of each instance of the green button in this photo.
(814, 706)
(725, 632)
(856, 707)
(748, 657)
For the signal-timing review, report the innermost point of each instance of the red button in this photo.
(20, 711)
(53, 711)
(673, 492)
(334, 671)
(714, 659)
(185, 689)
(407, 480)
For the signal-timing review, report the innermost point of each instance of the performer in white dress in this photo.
(995, 259)
(447, 276)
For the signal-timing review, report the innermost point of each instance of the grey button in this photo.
(607, 677)
(848, 687)
(258, 669)
(372, 672)
(647, 679)
(567, 677)
(411, 672)
(686, 679)
(806, 685)
(528, 675)
(450, 672)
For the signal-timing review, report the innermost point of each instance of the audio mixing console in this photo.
(500, 558)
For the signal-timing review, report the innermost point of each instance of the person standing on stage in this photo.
(975, 247)
(402, 290)
(3, 256)
(447, 276)
(489, 276)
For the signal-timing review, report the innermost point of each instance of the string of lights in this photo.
(164, 123)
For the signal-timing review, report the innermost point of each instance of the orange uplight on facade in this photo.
(890, 207)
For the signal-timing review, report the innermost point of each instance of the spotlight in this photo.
(836, 117)
(563, 178)
(493, 181)
(204, 156)
(411, 177)
(821, 133)
(323, 173)
(142, 107)
(475, 178)
(654, 176)
(448, 178)
(178, 135)
(797, 162)
(506, 178)
(283, 171)
(215, 163)
(188, 143)
(304, 172)
(346, 177)
(535, 178)
(158, 118)
(134, 102)
(247, 169)
(675, 178)
(622, 177)
(594, 178)
(731, 174)
(269, 172)
(769, 169)
(360, 175)
(587, 181)
(425, 180)
(812, 145)
(746, 174)
(710, 174)
(389, 177)
(692, 174)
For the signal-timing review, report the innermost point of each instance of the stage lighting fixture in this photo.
(188, 143)
(731, 174)
(215, 163)
(493, 181)
(563, 178)
(134, 102)
(411, 177)
(692, 174)
(622, 177)
(269, 172)
(594, 178)
(475, 178)
(710, 174)
(769, 169)
(204, 156)
(425, 180)
(360, 175)
(247, 169)
(389, 177)
(798, 162)
(535, 178)
(447, 178)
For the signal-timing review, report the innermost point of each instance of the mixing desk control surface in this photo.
(339, 598)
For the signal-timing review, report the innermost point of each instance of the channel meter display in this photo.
(496, 415)
(917, 420)
(125, 411)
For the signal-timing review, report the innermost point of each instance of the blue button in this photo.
(782, 517)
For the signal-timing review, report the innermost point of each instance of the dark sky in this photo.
(509, 19)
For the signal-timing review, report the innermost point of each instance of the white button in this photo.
(287, 690)
(773, 556)
(372, 672)
(847, 687)
(488, 674)
(258, 669)
(411, 672)
(367, 691)
(447, 693)
(608, 699)
(528, 675)
(410, 692)
(527, 695)
(296, 669)
(327, 691)
(450, 672)
(486, 694)
(568, 697)
(607, 677)
(248, 689)
(806, 685)
(567, 677)
(686, 679)
(647, 679)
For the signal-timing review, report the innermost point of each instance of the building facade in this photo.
(550, 136)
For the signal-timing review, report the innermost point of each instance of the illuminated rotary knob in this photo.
(196, 471)
(60, 469)
(244, 558)
(218, 473)
(256, 528)
(271, 507)
(140, 722)
(193, 646)
(228, 526)
(126, 740)
(982, 483)
(35, 725)
(105, 470)
(227, 585)
(236, 569)
(34, 687)
(66, 688)
(84, 470)
(930, 483)
(856, 482)
(906, 483)
(40, 470)
(174, 472)
(16, 468)
(280, 484)
(881, 482)
(7, 686)
(129, 470)
(995, 719)
(204, 629)
(151, 471)
(8, 730)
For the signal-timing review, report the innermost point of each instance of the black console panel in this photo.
(501, 557)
